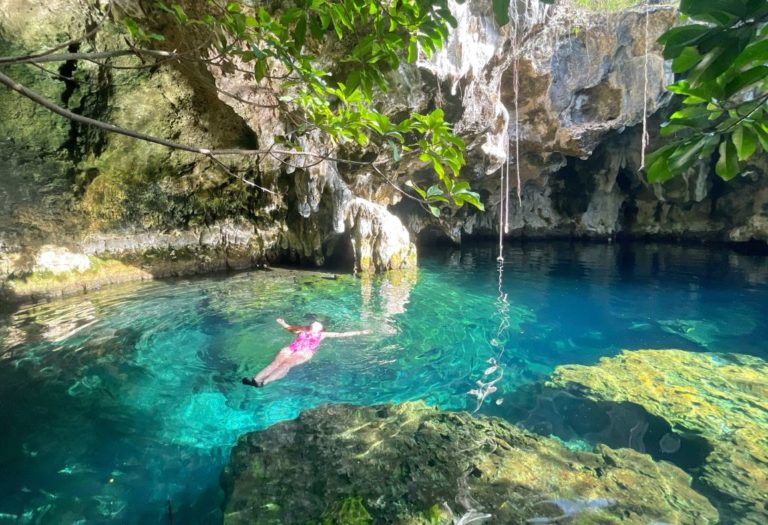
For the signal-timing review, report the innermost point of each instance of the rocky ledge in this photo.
(409, 463)
(721, 398)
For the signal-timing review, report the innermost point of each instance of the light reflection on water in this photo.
(116, 403)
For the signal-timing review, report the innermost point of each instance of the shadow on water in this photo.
(583, 422)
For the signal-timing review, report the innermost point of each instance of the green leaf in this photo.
(693, 100)
(501, 11)
(716, 62)
(727, 166)
(132, 27)
(658, 171)
(181, 16)
(413, 51)
(755, 52)
(300, 32)
(260, 69)
(435, 211)
(688, 58)
(438, 168)
(762, 135)
(395, 151)
(678, 38)
(733, 8)
(745, 79)
(434, 191)
(688, 113)
(682, 159)
(683, 87)
(315, 28)
(745, 141)
(414, 187)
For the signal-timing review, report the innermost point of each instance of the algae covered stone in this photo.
(722, 398)
(410, 463)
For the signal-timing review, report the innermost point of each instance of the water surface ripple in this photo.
(122, 403)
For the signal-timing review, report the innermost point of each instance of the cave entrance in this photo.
(339, 254)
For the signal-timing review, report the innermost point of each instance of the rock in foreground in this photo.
(410, 463)
(722, 398)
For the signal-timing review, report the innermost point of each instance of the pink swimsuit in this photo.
(306, 342)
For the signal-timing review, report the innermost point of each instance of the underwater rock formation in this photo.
(721, 398)
(410, 463)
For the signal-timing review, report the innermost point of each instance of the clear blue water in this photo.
(120, 404)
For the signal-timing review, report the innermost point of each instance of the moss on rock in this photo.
(722, 398)
(410, 463)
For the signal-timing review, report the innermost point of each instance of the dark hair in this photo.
(311, 318)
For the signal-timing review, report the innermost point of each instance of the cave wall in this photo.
(93, 193)
(580, 96)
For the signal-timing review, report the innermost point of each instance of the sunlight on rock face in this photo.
(56, 259)
(379, 239)
(401, 460)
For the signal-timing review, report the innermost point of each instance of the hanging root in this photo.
(644, 140)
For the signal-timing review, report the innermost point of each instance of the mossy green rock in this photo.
(410, 463)
(722, 398)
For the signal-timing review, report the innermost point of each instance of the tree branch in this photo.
(236, 176)
(97, 55)
(15, 86)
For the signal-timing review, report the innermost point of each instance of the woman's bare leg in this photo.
(281, 357)
(282, 369)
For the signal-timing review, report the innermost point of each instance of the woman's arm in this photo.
(346, 334)
(290, 328)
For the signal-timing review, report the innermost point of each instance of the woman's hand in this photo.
(281, 321)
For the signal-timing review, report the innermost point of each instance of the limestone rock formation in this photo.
(112, 196)
(581, 88)
(410, 463)
(379, 240)
(55, 259)
(718, 397)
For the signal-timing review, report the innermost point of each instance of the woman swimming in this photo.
(301, 350)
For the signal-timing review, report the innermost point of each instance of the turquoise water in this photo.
(121, 406)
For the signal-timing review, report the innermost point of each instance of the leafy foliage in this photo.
(721, 57)
(377, 36)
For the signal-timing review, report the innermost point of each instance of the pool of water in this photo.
(122, 405)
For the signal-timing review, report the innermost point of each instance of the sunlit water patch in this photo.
(122, 405)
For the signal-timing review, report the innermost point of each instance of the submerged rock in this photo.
(722, 398)
(410, 463)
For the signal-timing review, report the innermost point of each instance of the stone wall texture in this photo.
(561, 91)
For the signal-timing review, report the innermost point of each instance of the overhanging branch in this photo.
(22, 90)
(96, 55)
